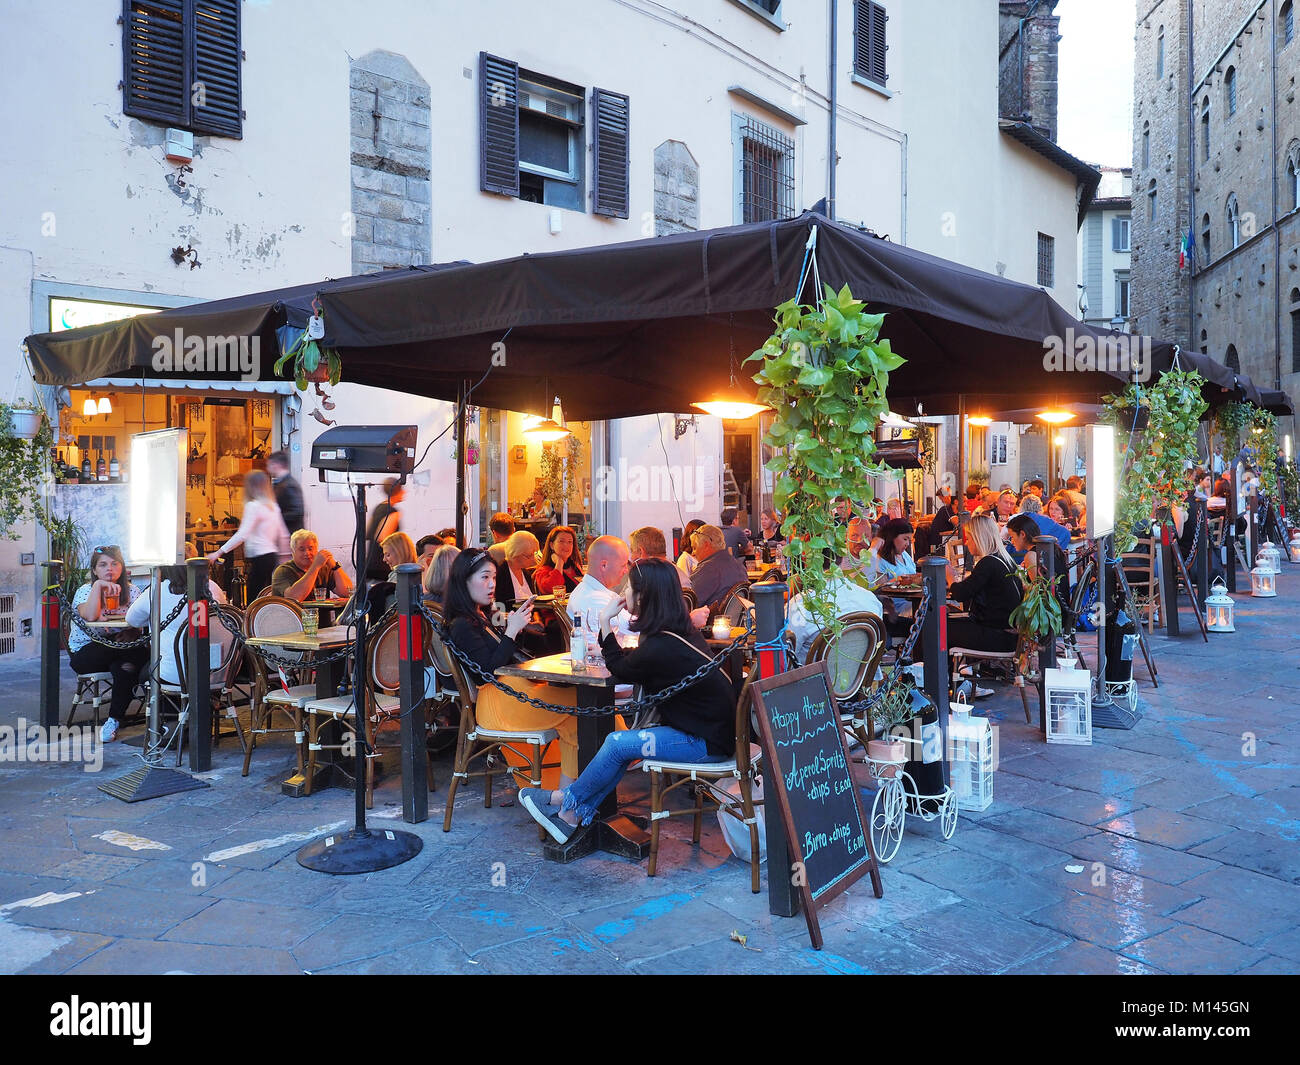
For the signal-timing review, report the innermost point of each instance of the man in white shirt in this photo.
(607, 564)
(848, 596)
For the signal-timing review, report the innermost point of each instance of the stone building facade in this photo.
(1215, 160)
(1028, 33)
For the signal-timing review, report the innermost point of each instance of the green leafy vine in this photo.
(824, 371)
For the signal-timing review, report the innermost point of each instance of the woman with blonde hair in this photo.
(261, 529)
(396, 550)
(990, 593)
(435, 576)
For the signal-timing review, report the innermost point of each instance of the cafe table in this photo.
(330, 770)
(110, 624)
(609, 831)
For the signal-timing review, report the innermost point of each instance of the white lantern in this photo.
(1218, 608)
(1295, 550)
(1069, 705)
(1263, 583)
(1269, 557)
(971, 743)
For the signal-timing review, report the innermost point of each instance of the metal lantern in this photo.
(1069, 705)
(971, 742)
(1269, 557)
(1263, 583)
(1218, 608)
(1294, 547)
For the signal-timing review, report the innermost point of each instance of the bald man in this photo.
(607, 563)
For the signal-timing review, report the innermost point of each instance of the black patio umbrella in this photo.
(625, 329)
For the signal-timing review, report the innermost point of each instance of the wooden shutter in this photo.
(878, 45)
(498, 124)
(155, 80)
(214, 90)
(1116, 234)
(610, 192)
(869, 45)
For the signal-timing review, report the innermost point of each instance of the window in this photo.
(1287, 17)
(1151, 201)
(997, 449)
(1119, 231)
(1234, 221)
(869, 45)
(1205, 346)
(1230, 90)
(1231, 360)
(1205, 129)
(1293, 174)
(1146, 145)
(765, 171)
(181, 62)
(1160, 53)
(1295, 331)
(1121, 294)
(1046, 260)
(1205, 238)
(532, 143)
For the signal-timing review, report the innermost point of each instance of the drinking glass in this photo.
(111, 599)
(310, 622)
(322, 594)
(591, 622)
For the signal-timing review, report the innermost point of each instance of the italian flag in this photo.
(1185, 250)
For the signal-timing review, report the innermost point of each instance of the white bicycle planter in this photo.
(889, 810)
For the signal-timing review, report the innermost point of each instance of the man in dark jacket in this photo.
(288, 492)
(719, 570)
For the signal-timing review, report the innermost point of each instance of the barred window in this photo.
(765, 158)
(1046, 260)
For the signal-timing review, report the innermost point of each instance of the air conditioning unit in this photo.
(549, 102)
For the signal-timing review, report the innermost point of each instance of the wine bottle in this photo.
(87, 474)
(101, 468)
(114, 469)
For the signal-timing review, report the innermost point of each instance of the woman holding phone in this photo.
(466, 607)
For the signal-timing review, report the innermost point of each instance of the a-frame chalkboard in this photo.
(808, 770)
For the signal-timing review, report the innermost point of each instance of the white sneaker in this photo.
(108, 733)
(980, 693)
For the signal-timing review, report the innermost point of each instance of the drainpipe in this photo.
(1277, 229)
(834, 80)
(1191, 175)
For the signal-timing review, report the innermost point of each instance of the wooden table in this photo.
(610, 831)
(330, 770)
(111, 624)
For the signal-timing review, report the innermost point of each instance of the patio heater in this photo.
(364, 449)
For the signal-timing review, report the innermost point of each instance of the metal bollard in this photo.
(410, 656)
(935, 633)
(769, 616)
(198, 669)
(51, 637)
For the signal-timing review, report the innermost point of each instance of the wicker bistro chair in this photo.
(705, 779)
(94, 688)
(688, 597)
(474, 742)
(221, 682)
(735, 602)
(385, 692)
(274, 616)
(852, 661)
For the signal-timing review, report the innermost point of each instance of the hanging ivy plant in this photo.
(1154, 479)
(1229, 421)
(22, 472)
(1288, 474)
(825, 372)
(1262, 445)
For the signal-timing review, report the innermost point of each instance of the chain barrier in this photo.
(865, 706)
(95, 635)
(1190, 557)
(634, 707)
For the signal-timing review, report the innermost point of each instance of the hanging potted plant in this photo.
(23, 465)
(312, 361)
(23, 419)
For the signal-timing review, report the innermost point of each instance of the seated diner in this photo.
(108, 594)
(308, 569)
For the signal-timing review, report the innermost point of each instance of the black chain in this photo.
(1190, 556)
(633, 707)
(108, 641)
(865, 706)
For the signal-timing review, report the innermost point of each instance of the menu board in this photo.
(806, 760)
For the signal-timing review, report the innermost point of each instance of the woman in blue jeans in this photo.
(698, 724)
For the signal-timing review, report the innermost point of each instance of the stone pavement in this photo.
(1185, 829)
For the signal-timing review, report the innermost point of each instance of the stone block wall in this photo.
(392, 159)
(677, 189)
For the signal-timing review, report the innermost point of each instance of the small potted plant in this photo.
(894, 711)
(21, 420)
(1038, 617)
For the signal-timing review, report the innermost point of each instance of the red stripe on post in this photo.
(943, 626)
(49, 612)
(199, 619)
(404, 639)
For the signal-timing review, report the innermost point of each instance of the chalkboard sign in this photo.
(803, 748)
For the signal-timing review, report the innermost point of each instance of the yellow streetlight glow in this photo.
(980, 419)
(1055, 417)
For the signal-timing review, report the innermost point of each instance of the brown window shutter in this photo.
(610, 192)
(215, 88)
(498, 124)
(155, 79)
(878, 46)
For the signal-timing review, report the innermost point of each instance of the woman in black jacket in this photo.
(471, 592)
(991, 592)
(698, 724)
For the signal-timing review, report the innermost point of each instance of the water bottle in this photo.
(578, 645)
